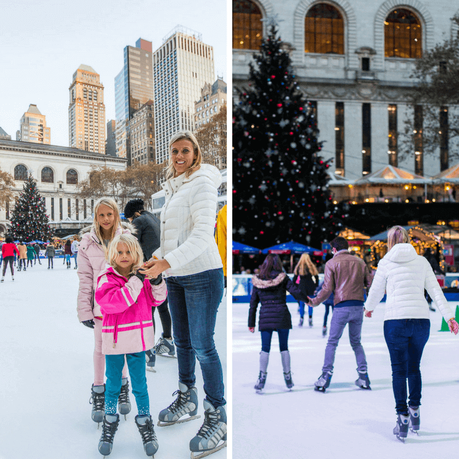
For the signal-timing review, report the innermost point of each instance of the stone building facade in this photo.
(213, 97)
(142, 134)
(33, 127)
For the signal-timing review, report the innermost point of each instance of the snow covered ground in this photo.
(47, 372)
(346, 422)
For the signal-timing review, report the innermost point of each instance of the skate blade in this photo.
(207, 453)
(167, 356)
(151, 369)
(319, 389)
(415, 431)
(180, 421)
(402, 439)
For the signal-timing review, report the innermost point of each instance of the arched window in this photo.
(324, 30)
(47, 175)
(20, 172)
(247, 25)
(72, 177)
(402, 35)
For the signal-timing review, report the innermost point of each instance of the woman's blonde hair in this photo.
(184, 135)
(305, 266)
(397, 235)
(109, 202)
(133, 247)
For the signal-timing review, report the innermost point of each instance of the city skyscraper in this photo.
(87, 111)
(33, 127)
(110, 142)
(183, 64)
(133, 89)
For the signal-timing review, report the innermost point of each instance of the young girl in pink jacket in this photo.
(125, 298)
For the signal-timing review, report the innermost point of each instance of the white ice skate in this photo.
(185, 403)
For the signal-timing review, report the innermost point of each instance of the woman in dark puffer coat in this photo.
(270, 289)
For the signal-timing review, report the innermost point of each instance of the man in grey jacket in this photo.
(345, 276)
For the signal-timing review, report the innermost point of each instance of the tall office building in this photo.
(33, 127)
(110, 142)
(87, 111)
(182, 66)
(133, 89)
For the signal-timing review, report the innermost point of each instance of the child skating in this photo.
(125, 298)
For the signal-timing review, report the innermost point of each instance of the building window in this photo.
(20, 172)
(7, 208)
(366, 139)
(47, 175)
(393, 150)
(77, 209)
(444, 128)
(339, 138)
(324, 30)
(403, 35)
(69, 208)
(52, 208)
(85, 210)
(61, 210)
(418, 147)
(92, 206)
(247, 26)
(72, 177)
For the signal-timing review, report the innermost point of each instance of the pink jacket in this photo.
(91, 262)
(126, 307)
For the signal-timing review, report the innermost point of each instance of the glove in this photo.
(140, 275)
(88, 323)
(156, 280)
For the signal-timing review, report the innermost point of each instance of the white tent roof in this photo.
(391, 174)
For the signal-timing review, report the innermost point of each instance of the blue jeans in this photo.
(310, 309)
(113, 371)
(406, 339)
(327, 311)
(75, 256)
(193, 302)
(266, 336)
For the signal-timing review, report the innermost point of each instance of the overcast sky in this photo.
(42, 43)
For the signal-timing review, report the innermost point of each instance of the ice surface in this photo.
(345, 422)
(47, 372)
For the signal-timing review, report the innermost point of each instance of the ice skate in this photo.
(363, 381)
(98, 403)
(165, 347)
(300, 324)
(3, 279)
(288, 380)
(185, 403)
(310, 321)
(323, 382)
(147, 432)
(324, 331)
(150, 357)
(109, 428)
(285, 356)
(261, 381)
(124, 405)
(212, 434)
(415, 419)
(401, 427)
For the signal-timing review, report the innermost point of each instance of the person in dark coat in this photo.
(270, 289)
(148, 230)
(37, 253)
(432, 259)
(307, 277)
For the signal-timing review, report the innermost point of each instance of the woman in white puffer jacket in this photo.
(189, 258)
(403, 275)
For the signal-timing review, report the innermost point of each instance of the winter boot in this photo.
(415, 418)
(401, 427)
(147, 432)
(124, 405)
(165, 347)
(300, 324)
(109, 428)
(150, 357)
(323, 382)
(185, 403)
(264, 360)
(98, 403)
(285, 355)
(363, 381)
(212, 434)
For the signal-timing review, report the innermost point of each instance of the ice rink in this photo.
(47, 372)
(346, 422)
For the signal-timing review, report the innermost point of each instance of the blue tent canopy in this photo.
(291, 247)
(243, 248)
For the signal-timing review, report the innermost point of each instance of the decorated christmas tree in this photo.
(279, 177)
(29, 221)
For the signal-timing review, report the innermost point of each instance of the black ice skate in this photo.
(98, 403)
(261, 381)
(363, 381)
(323, 382)
(109, 428)
(415, 419)
(124, 405)
(147, 432)
(401, 427)
(185, 403)
(150, 357)
(212, 434)
(165, 347)
(288, 380)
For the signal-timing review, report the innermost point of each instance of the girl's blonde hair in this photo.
(109, 202)
(397, 235)
(305, 266)
(184, 135)
(133, 247)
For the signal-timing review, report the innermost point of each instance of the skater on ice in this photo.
(126, 299)
(404, 275)
(345, 276)
(328, 303)
(68, 253)
(22, 256)
(30, 254)
(50, 252)
(8, 250)
(189, 258)
(74, 249)
(270, 289)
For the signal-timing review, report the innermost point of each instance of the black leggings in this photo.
(7, 260)
(165, 317)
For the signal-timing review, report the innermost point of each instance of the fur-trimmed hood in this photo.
(268, 283)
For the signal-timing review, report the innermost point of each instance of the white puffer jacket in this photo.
(403, 275)
(188, 223)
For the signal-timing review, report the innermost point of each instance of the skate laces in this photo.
(161, 347)
(147, 431)
(108, 430)
(179, 402)
(210, 424)
(98, 400)
(124, 394)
